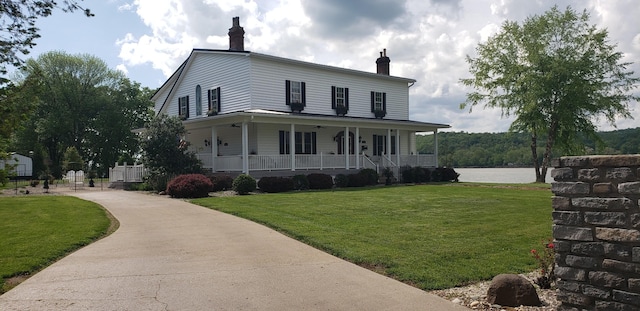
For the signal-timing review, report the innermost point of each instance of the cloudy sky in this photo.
(427, 40)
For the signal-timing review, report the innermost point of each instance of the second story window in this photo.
(296, 92)
(340, 99)
(183, 107)
(198, 100)
(339, 96)
(213, 96)
(295, 95)
(379, 104)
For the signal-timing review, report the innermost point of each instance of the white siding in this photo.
(268, 89)
(230, 72)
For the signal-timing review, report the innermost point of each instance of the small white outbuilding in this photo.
(23, 165)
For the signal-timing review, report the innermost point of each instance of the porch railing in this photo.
(311, 161)
(127, 173)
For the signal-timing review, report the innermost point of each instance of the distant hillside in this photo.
(461, 149)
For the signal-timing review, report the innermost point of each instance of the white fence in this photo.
(75, 178)
(311, 161)
(127, 173)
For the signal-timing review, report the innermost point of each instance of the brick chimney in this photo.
(236, 36)
(383, 63)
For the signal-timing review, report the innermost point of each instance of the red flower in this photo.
(550, 245)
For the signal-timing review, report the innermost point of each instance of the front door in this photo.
(340, 142)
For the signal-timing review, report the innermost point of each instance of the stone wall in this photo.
(596, 228)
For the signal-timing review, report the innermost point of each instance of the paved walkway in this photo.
(172, 255)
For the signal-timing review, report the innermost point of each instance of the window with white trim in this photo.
(183, 107)
(305, 142)
(377, 104)
(198, 100)
(213, 96)
(295, 92)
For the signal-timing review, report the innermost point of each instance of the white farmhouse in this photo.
(250, 112)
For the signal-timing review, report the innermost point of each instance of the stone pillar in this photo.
(596, 228)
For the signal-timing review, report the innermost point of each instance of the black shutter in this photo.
(303, 94)
(313, 142)
(298, 142)
(346, 97)
(375, 145)
(288, 92)
(187, 103)
(384, 102)
(219, 100)
(393, 145)
(208, 100)
(333, 97)
(282, 142)
(373, 101)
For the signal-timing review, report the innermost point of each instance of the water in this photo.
(500, 175)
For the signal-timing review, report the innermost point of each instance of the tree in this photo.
(18, 30)
(72, 159)
(556, 74)
(79, 102)
(164, 151)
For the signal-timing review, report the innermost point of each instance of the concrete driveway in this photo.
(172, 255)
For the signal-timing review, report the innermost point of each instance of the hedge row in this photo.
(198, 185)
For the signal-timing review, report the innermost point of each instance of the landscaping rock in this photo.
(512, 290)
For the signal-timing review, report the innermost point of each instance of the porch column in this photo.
(346, 147)
(245, 147)
(356, 147)
(435, 146)
(214, 148)
(388, 144)
(292, 146)
(397, 147)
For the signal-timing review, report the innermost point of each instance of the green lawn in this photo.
(37, 230)
(430, 236)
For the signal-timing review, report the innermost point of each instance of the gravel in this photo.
(474, 296)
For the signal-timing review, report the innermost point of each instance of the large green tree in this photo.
(164, 151)
(557, 75)
(81, 103)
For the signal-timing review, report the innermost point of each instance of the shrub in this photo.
(221, 182)
(436, 175)
(320, 181)
(34, 182)
(342, 181)
(275, 184)
(407, 174)
(300, 182)
(421, 174)
(243, 184)
(387, 172)
(369, 176)
(449, 174)
(189, 186)
(357, 180)
(159, 181)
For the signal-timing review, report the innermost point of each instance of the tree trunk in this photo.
(534, 154)
(546, 159)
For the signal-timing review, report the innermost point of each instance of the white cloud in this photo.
(426, 40)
